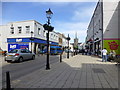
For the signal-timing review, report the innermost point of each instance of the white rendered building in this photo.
(18, 35)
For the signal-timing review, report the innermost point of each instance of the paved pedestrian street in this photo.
(79, 71)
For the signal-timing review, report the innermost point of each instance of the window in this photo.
(51, 35)
(13, 51)
(38, 31)
(27, 29)
(12, 30)
(27, 51)
(99, 24)
(23, 51)
(19, 29)
(44, 33)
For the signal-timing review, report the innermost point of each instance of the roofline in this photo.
(25, 21)
(94, 12)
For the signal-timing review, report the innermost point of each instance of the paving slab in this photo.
(80, 71)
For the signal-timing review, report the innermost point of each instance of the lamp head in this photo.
(49, 13)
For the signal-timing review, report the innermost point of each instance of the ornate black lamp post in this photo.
(31, 39)
(49, 28)
(68, 38)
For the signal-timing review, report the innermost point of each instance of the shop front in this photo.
(97, 46)
(18, 43)
(26, 43)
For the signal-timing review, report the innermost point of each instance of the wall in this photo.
(111, 36)
(3, 36)
(5, 32)
(110, 21)
(22, 24)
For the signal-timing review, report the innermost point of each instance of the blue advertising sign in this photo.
(18, 46)
(12, 46)
(18, 39)
(36, 40)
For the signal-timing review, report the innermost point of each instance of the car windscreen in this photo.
(13, 51)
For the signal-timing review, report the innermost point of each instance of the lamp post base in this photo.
(68, 55)
(47, 68)
(47, 63)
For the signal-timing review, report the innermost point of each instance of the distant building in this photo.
(76, 41)
(60, 41)
(64, 41)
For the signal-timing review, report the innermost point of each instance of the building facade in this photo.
(19, 34)
(103, 28)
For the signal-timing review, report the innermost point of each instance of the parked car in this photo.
(19, 55)
(2, 52)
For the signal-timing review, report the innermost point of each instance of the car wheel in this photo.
(20, 59)
(33, 57)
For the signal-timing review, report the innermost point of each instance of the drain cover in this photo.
(98, 70)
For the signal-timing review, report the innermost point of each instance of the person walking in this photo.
(104, 55)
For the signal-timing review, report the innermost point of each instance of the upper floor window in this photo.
(44, 33)
(12, 30)
(51, 36)
(39, 31)
(19, 29)
(99, 24)
(56, 37)
(27, 29)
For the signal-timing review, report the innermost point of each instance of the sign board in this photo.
(18, 46)
(112, 45)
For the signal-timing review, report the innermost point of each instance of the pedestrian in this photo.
(85, 51)
(38, 51)
(112, 55)
(89, 52)
(104, 55)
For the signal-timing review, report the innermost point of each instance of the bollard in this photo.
(60, 57)
(74, 53)
(8, 86)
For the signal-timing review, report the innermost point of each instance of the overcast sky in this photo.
(68, 17)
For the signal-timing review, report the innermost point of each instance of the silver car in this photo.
(19, 55)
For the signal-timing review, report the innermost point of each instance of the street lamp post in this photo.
(31, 39)
(49, 28)
(68, 38)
